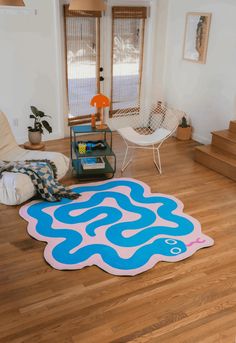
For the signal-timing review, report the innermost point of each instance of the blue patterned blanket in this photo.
(43, 174)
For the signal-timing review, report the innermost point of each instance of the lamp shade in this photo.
(100, 101)
(12, 3)
(87, 5)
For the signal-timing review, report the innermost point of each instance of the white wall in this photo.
(30, 70)
(206, 92)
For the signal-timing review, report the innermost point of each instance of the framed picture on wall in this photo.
(197, 31)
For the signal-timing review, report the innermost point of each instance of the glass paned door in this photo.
(83, 61)
(128, 27)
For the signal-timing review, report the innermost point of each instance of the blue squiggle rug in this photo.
(117, 225)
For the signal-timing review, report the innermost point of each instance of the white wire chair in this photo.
(150, 126)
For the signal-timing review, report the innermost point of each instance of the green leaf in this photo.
(47, 126)
(32, 116)
(34, 110)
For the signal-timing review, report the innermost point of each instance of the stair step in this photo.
(232, 126)
(224, 140)
(217, 153)
(226, 134)
(217, 160)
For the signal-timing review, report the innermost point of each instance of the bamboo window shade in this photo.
(69, 13)
(128, 12)
(82, 43)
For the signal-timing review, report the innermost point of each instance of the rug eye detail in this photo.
(171, 241)
(176, 251)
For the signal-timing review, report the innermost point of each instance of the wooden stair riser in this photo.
(232, 126)
(224, 144)
(215, 164)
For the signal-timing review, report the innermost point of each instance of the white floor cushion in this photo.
(17, 188)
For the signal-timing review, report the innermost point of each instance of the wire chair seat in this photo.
(148, 126)
(134, 137)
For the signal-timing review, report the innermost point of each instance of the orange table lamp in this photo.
(100, 101)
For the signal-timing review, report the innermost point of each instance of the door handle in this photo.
(101, 78)
(101, 69)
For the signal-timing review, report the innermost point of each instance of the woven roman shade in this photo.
(83, 14)
(125, 12)
(12, 3)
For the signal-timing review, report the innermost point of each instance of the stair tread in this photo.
(232, 126)
(226, 134)
(219, 154)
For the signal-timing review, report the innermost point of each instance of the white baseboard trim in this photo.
(201, 139)
(53, 136)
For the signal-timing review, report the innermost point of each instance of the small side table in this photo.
(30, 146)
(107, 154)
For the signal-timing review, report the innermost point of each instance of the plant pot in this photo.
(35, 137)
(184, 133)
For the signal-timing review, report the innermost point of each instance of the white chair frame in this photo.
(154, 147)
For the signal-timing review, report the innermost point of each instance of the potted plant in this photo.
(35, 132)
(184, 131)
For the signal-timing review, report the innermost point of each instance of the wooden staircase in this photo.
(221, 154)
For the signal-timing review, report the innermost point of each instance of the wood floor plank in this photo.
(192, 301)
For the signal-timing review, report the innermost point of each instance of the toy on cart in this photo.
(90, 146)
(82, 148)
(101, 101)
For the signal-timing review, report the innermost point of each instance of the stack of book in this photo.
(89, 163)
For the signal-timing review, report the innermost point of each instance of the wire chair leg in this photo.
(125, 164)
(157, 163)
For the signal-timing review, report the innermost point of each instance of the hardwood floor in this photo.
(193, 301)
